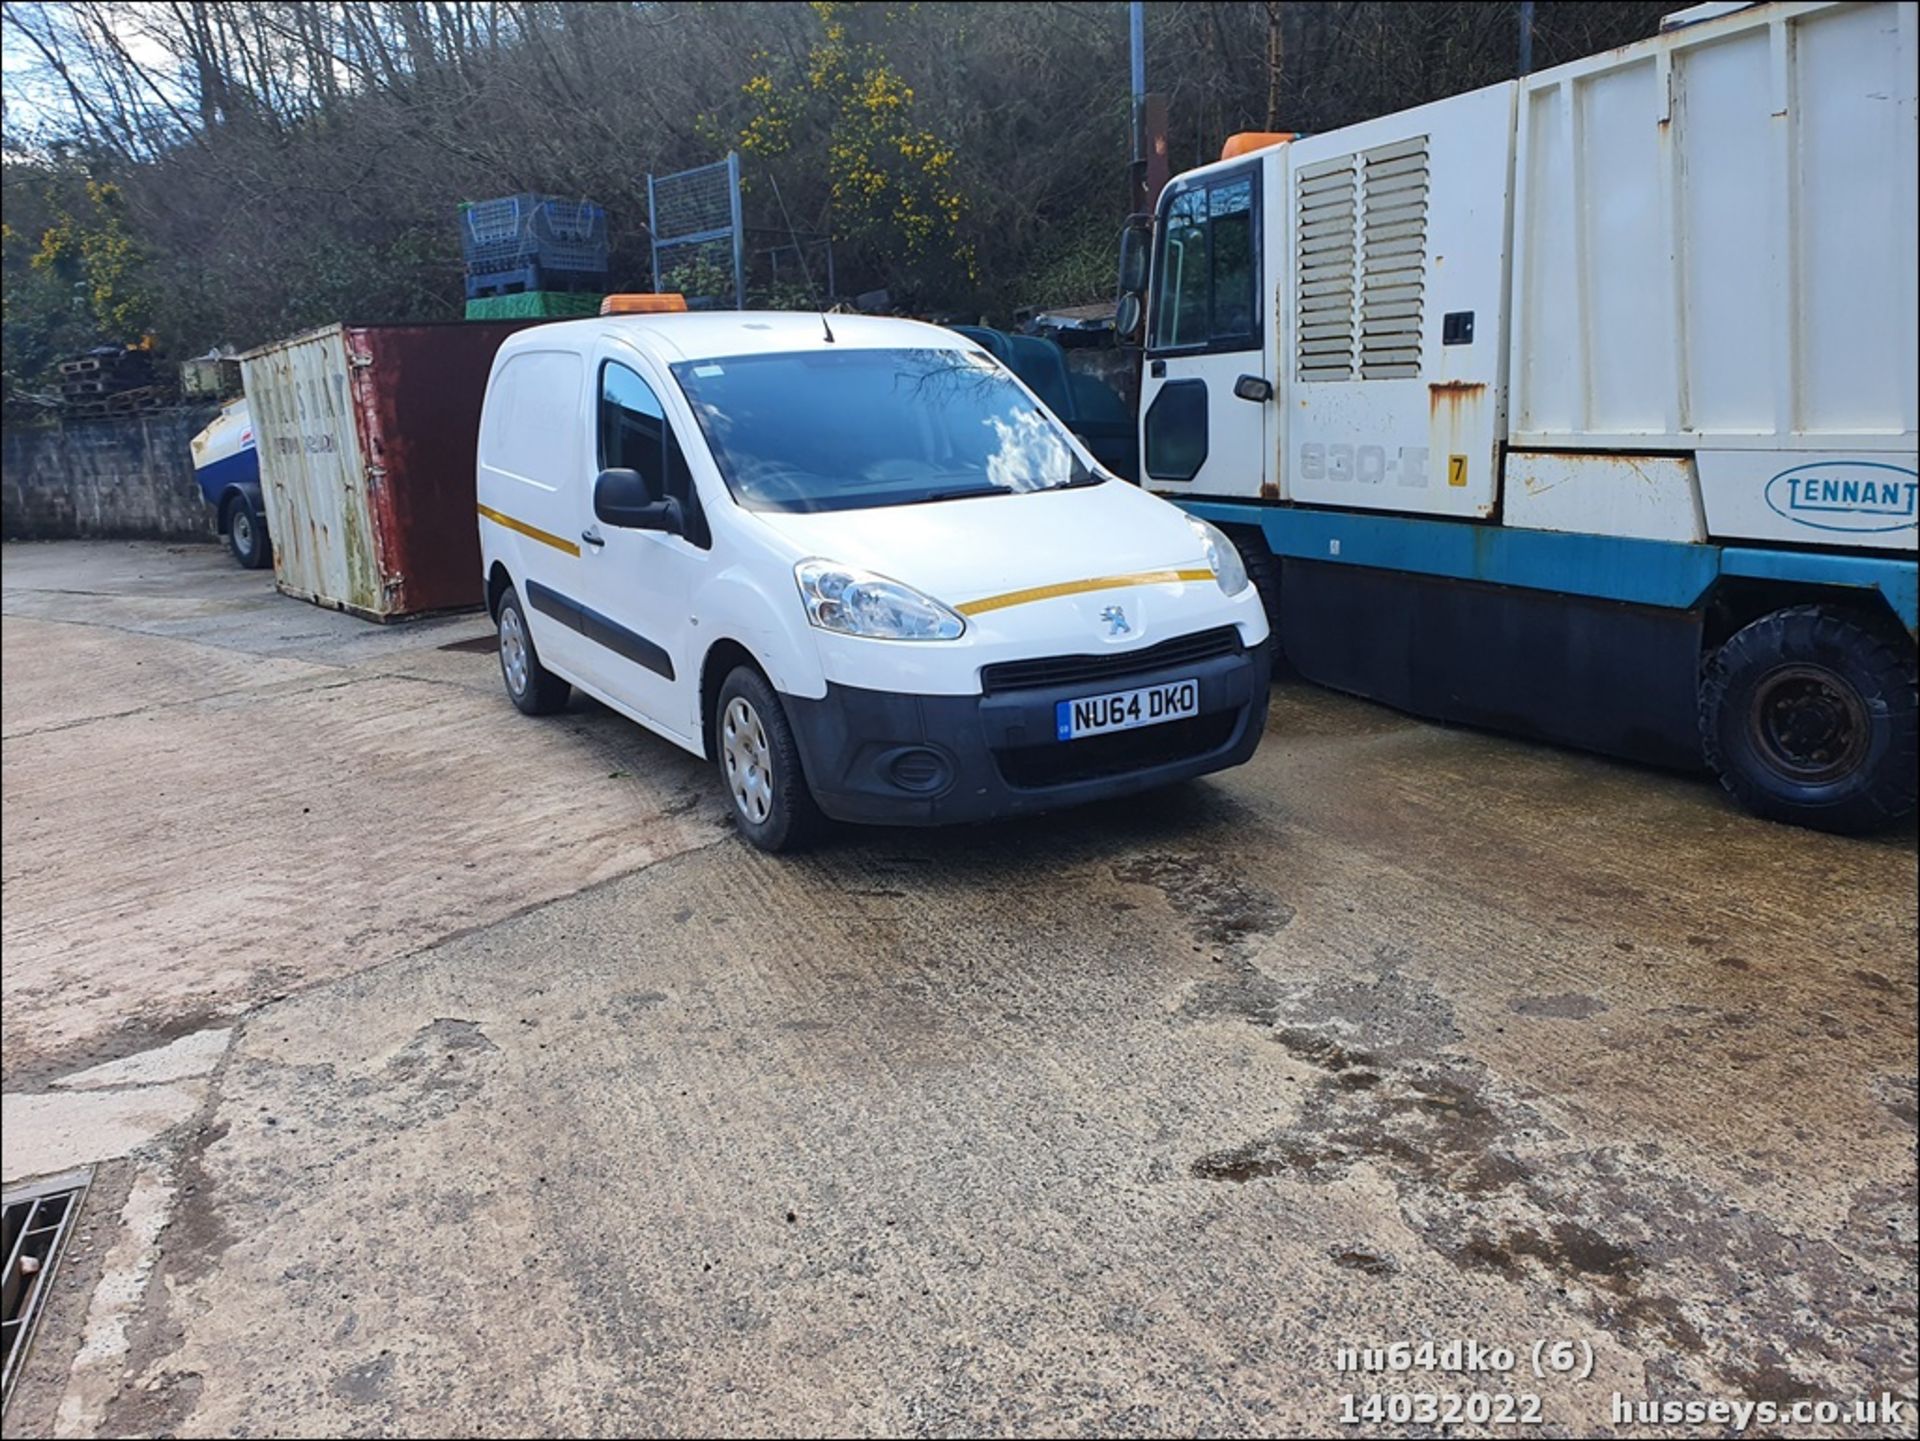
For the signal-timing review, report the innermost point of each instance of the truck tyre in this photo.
(1808, 715)
(530, 685)
(247, 534)
(1263, 569)
(759, 764)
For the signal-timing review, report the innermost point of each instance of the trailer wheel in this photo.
(1808, 715)
(247, 535)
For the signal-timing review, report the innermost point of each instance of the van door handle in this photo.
(592, 536)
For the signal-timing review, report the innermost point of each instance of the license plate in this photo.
(1125, 710)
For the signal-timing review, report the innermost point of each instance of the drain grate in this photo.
(38, 1221)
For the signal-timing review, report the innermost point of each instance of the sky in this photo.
(35, 98)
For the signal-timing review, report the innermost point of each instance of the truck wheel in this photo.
(247, 535)
(760, 765)
(1263, 569)
(1808, 715)
(530, 685)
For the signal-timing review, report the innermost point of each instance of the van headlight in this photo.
(1222, 559)
(854, 602)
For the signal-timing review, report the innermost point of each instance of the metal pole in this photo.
(653, 232)
(739, 233)
(1137, 36)
(1526, 37)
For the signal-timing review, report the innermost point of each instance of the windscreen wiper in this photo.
(962, 493)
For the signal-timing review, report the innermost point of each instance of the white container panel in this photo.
(1722, 127)
(1715, 242)
(1628, 304)
(1645, 497)
(1854, 226)
(1548, 341)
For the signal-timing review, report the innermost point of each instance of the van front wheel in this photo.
(1809, 716)
(759, 764)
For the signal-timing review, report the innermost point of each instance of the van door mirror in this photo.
(1127, 316)
(623, 498)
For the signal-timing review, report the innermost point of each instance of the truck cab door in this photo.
(1206, 329)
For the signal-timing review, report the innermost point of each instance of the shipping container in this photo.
(366, 440)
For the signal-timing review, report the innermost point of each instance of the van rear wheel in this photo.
(759, 764)
(530, 685)
(1809, 716)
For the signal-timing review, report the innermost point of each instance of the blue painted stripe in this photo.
(1897, 580)
(236, 469)
(1643, 572)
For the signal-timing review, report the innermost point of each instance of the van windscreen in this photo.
(851, 429)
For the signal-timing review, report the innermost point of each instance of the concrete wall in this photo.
(129, 477)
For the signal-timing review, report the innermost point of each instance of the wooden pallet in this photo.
(146, 397)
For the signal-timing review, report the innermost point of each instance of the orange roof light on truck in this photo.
(1248, 141)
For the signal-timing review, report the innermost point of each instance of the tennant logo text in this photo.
(1856, 495)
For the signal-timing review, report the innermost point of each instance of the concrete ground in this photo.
(446, 1069)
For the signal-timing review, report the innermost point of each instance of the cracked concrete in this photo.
(1115, 1121)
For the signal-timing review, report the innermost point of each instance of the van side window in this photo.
(635, 435)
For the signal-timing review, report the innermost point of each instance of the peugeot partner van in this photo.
(856, 564)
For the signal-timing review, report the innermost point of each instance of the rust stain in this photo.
(1452, 394)
(1269, 491)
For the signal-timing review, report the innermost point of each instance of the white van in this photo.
(858, 565)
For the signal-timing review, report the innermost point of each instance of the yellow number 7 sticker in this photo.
(1456, 470)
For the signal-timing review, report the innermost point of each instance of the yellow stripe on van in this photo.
(532, 532)
(1079, 587)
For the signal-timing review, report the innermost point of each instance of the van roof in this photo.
(712, 334)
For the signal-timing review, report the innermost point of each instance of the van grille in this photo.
(1059, 763)
(1059, 670)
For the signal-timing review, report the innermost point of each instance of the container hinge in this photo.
(361, 362)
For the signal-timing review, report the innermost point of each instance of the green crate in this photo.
(532, 304)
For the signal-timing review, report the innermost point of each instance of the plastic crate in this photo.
(498, 235)
(522, 278)
(534, 304)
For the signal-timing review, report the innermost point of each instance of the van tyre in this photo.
(530, 685)
(1808, 715)
(759, 764)
(247, 534)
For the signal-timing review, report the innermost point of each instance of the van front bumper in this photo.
(881, 758)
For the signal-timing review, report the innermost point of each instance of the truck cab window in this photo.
(1207, 278)
(635, 435)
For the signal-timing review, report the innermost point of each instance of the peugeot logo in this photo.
(1116, 620)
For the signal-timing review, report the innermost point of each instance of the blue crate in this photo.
(556, 234)
(518, 279)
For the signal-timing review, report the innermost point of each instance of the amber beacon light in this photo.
(637, 304)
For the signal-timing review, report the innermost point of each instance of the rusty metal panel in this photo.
(367, 439)
(420, 412)
(312, 474)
